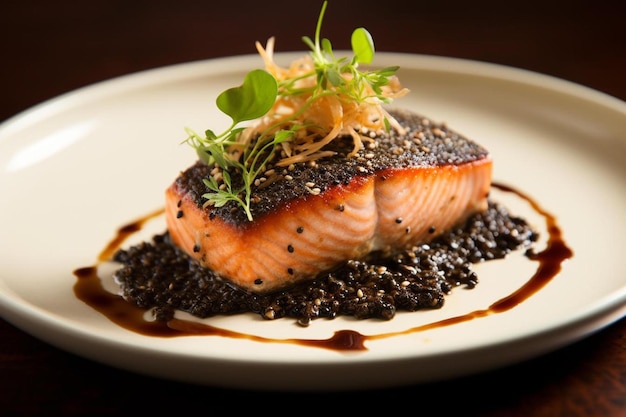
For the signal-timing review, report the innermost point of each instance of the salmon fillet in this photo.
(400, 190)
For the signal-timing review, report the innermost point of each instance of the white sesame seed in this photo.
(439, 132)
(410, 269)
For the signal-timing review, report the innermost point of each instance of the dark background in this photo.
(51, 47)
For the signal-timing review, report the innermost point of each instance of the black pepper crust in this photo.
(425, 144)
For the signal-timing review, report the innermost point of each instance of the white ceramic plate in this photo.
(77, 167)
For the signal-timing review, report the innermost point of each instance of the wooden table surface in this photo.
(49, 48)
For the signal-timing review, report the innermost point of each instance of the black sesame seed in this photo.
(399, 220)
(258, 281)
(300, 229)
(196, 248)
(290, 271)
(179, 214)
(290, 248)
(431, 229)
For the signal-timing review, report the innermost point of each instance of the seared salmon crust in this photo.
(399, 190)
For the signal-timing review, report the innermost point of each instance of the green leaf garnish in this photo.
(363, 46)
(252, 99)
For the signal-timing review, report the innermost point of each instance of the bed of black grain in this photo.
(156, 275)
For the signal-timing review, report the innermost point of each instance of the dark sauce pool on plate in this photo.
(130, 313)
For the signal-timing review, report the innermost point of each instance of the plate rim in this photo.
(454, 65)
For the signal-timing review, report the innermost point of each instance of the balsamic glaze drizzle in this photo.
(89, 289)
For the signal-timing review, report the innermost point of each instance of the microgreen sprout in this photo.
(251, 100)
(335, 78)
